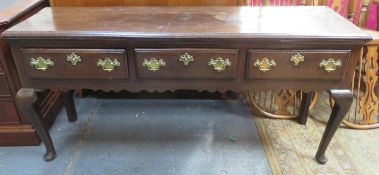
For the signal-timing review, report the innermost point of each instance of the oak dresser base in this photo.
(177, 48)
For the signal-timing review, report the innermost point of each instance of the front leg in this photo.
(25, 101)
(343, 100)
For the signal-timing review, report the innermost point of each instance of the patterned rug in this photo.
(290, 147)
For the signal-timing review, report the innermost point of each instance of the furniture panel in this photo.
(187, 63)
(8, 112)
(75, 63)
(4, 88)
(297, 64)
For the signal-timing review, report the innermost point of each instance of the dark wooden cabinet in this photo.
(15, 129)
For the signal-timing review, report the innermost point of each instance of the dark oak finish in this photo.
(25, 101)
(343, 100)
(8, 112)
(15, 129)
(69, 103)
(304, 107)
(4, 88)
(86, 68)
(304, 70)
(238, 34)
(196, 69)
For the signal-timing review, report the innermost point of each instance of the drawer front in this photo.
(4, 88)
(297, 64)
(75, 63)
(187, 63)
(8, 112)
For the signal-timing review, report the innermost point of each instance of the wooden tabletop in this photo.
(189, 22)
(11, 9)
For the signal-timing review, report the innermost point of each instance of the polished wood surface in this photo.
(304, 107)
(195, 22)
(74, 3)
(236, 37)
(15, 129)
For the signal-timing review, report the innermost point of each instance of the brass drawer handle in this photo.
(186, 59)
(331, 64)
(107, 64)
(219, 64)
(74, 59)
(153, 64)
(297, 58)
(41, 63)
(265, 64)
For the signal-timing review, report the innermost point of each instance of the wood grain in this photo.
(198, 69)
(229, 23)
(88, 3)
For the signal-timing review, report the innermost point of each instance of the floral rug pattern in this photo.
(290, 147)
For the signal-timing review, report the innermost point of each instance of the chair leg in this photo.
(304, 107)
(25, 100)
(68, 100)
(343, 100)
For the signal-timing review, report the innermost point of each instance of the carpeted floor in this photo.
(290, 147)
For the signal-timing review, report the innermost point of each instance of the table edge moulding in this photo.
(199, 48)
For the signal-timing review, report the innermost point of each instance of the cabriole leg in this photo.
(25, 100)
(343, 100)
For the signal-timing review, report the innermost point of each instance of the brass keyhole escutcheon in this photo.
(265, 64)
(41, 64)
(74, 59)
(219, 64)
(153, 64)
(331, 64)
(186, 59)
(107, 64)
(297, 58)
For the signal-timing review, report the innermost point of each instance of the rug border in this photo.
(274, 165)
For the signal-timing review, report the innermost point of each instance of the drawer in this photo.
(4, 88)
(8, 112)
(187, 63)
(284, 64)
(75, 63)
